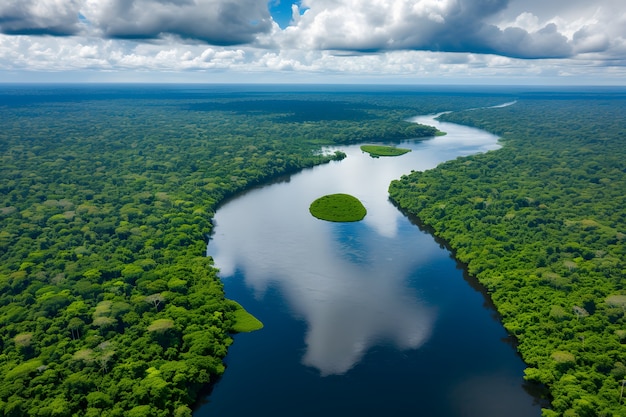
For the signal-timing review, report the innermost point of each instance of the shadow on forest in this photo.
(292, 110)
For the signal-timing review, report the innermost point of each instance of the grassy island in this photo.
(244, 321)
(338, 208)
(380, 150)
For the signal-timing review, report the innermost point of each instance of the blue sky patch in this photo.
(281, 11)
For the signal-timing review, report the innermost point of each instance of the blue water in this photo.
(367, 318)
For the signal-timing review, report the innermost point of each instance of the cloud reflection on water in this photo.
(348, 281)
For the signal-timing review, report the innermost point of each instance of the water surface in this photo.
(365, 318)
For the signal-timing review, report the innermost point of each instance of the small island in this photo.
(244, 321)
(338, 208)
(380, 150)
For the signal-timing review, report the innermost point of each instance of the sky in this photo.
(565, 42)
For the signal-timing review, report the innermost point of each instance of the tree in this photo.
(161, 325)
(155, 299)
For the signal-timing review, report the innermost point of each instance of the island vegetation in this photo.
(542, 224)
(382, 150)
(338, 208)
(108, 304)
(244, 321)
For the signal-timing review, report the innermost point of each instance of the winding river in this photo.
(372, 318)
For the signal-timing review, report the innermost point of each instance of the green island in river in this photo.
(244, 321)
(380, 150)
(338, 208)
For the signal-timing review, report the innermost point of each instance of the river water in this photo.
(371, 318)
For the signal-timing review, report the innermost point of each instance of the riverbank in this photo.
(353, 301)
(537, 227)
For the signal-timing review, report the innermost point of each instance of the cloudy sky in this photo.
(334, 41)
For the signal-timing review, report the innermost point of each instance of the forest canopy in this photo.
(108, 305)
(542, 224)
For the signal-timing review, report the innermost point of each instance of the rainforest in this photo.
(109, 305)
(541, 223)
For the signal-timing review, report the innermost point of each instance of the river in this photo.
(371, 318)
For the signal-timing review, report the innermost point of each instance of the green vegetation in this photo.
(542, 224)
(338, 208)
(380, 150)
(244, 321)
(108, 306)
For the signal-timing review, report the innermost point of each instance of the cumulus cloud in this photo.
(39, 17)
(217, 22)
(393, 37)
(513, 28)
(431, 25)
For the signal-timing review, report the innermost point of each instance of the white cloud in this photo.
(404, 39)
(445, 25)
(219, 22)
(55, 17)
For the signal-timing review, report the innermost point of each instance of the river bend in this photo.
(366, 318)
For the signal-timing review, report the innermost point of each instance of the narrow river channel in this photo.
(372, 318)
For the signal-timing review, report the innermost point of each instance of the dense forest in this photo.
(542, 224)
(108, 304)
